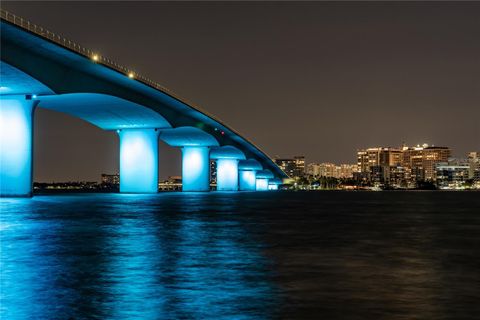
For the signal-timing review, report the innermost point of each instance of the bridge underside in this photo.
(36, 73)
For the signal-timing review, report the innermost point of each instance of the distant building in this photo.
(474, 165)
(313, 169)
(293, 167)
(376, 164)
(173, 183)
(346, 170)
(327, 169)
(452, 174)
(110, 179)
(213, 172)
(299, 166)
(421, 161)
(400, 168)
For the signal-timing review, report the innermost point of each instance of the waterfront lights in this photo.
(95, 57)
(131, 75)
(247, 170)
(262, 178)
(16, 117)
(138, 160)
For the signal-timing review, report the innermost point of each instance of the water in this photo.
(317, 255)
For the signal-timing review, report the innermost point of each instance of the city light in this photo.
(95, 57)
(131, 75)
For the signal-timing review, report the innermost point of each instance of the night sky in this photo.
(320, 79)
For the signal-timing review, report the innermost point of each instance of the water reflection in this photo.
(250, 255)
(129, 257)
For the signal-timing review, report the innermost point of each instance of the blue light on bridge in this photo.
(227, 174)
(247, 180)
(263, 177)
(227, 167)
(274, 183)
(138, 160)
(195, 169)
(16, 117)
(248, 174)
(262, 184)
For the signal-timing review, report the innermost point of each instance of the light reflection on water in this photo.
(126, 257)
(330, 255)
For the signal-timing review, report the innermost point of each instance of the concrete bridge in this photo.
(40, 69)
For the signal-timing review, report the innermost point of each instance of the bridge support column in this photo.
(138, 160)
(227, 175)
(262, 179)
(16, 146)
(247, 180)
(195, 169)
(248, 174)
(262, 184)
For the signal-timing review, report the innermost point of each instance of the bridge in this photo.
(40, 69)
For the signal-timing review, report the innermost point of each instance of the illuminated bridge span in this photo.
(40, 69)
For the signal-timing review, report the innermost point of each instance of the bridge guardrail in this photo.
(40, 31)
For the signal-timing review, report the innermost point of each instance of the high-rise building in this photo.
(293, 167)
(474, 165)
(376, 163)
(421, 161)
(299, 166)
(452, 174)
(379, 156)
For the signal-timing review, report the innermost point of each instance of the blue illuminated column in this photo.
(195, 169)
(262, 184)
(227, 167)
(195, 144)
(274, 183)
(247, 170)
(16, 146)
(247, 180)
(227, 174)
(138, 160)
(262, 180)
(272, 186)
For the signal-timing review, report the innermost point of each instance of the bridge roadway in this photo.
(40, 69)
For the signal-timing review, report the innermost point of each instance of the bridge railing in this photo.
(40, 31)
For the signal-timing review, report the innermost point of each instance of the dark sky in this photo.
(315, 78)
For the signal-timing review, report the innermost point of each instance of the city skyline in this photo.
(412, 80)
